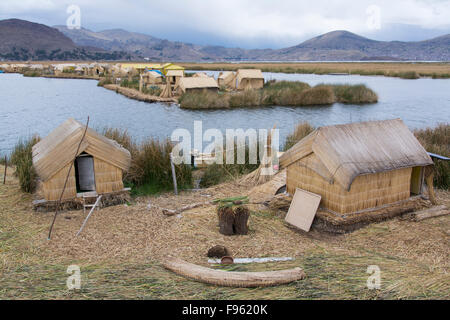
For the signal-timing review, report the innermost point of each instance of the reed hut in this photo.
(358, 166)
(174, 76)
(198, 84)
(150, 78)
(227, 79)
(200, 75)
(98, 167)
(247, 79)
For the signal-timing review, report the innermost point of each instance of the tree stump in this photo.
(233, 220)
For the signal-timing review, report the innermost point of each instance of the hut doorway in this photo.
(416, 180)
(84, 173)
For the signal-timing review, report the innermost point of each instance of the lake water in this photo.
(38, 105)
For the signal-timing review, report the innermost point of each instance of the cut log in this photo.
(233, 220)
(232, 278)
(241, 215)
(226, 221)
(432, 212)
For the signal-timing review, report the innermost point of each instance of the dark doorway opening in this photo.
(84, 173)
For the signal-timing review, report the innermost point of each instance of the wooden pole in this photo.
(6, 166)
(67, 178)
(174, 177)
(90, 212)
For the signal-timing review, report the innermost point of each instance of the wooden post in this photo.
(175, 187)
(431, 188)
(6, 166)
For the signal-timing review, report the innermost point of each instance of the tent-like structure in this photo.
(247, 79)
(98, 167)
(227, 79)
(191, 84)
(357, 166)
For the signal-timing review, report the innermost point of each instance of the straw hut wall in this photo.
(174, 76)
(247, 79)
(196, 84)
(227, 79)
(98, 167)
(357, 166)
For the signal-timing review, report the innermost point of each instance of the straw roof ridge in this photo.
(355, 149)
(197, 82)
(56, 150)
(249, 74)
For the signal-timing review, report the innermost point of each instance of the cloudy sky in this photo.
(246, 23)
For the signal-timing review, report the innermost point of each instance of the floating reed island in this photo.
(280, 93)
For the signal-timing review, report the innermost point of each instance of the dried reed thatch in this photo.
(53, 155)
(356, 166)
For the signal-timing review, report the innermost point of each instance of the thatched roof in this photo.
(197, 83)
(56, 150)
(249, 74)
(343, 152)
(152, 74)
(175, 73)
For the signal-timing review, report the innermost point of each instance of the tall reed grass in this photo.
(282, 93)
(22, 158)
(437, 140)
(301, 130)
(150, 163)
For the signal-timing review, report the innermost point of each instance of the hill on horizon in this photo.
(24, 40)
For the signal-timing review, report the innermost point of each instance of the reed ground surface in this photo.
(121, 249)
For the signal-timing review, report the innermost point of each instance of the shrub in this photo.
(246, 98)
(22, 158)
(218, 173)
(150, 168)
(204, 100)
(319, 95)
(284, 93)
(354, 94)
(301, 130)
(437, 140)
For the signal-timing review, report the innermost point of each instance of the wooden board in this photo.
(303, 209)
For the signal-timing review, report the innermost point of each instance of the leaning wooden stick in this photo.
(6, 167)
(65, 182)
(90, 212)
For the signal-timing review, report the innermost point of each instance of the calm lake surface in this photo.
(38, 105)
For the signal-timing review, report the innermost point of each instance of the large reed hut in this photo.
(357, 166)
(196, 84)
(247, 79)
(98, 167)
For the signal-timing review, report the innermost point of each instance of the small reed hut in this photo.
(247, 79)
(174, 76)
(196, 84)
(150, 78)
(98, 167)
(227, 79)
(358, 166)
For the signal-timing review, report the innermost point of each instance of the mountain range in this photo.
(23, 40)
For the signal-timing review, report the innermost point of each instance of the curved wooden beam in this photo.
(232, 278)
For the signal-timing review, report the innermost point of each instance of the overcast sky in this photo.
(246, 23)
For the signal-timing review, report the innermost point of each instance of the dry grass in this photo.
(120, 249)
(390, 69)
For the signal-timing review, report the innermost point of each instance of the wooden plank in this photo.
(432, 212)
(303, 209)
